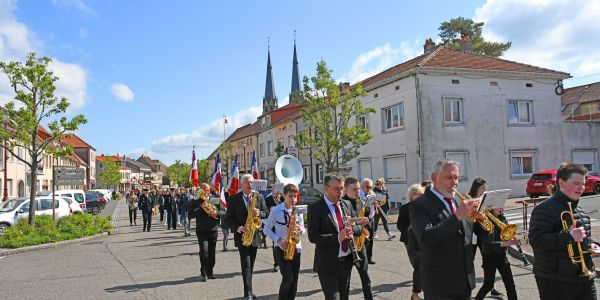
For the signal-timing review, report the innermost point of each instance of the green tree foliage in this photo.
(451, 32)
(204, 173)
(279, 150)
(327, 112)
(179, 173)
(110, 175)
(35, 104)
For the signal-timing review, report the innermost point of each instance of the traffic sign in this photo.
(69, 176)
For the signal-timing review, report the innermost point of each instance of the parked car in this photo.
(537, 185)
(95, 202)
(308, 194)
(73, 205)
(77, 195)
(11, 211)
(107, 194)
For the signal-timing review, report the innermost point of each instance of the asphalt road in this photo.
(131, 264)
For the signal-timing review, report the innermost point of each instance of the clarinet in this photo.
(355, 258)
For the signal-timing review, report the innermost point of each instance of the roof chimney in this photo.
(344, 86)
(465, 43)
(429, 46)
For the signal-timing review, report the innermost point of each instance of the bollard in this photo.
(525, 225)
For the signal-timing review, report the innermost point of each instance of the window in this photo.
(262, 149)
(455, 81)
(397, 87)
(363, 121)
(393, 117)
(453, 110)
(460, 157)
(522, 163)
(364, 168)
(10, 187)
(394, 168)
(319, 173)
(599, 107)
(519, 112)
(529, 85)
(376, 95)
(270, 147)
(47, 204)
(586, 158)
(291, 141)
(306, 175)
(1, 160)
(21, 152)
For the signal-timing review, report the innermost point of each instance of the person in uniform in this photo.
(207, 226)
(171, 208)
(146, 204)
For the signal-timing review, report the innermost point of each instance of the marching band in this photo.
(440, 228)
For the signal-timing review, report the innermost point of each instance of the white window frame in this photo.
(593, 164)
(261, 149)
(463, 168)
(306, 174)
(2, 160)
(518, 122)
(453, 114)
(320, 173)
(364, 122)
(270, 148)
(361, 172)
(385, 169)
(401, 117)
(521, 154)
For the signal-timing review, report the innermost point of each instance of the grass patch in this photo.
(46, 231)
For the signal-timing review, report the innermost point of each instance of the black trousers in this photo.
(369, 242)
(334, 281)
(552, 289)
(363, 271)
(413, 257)
(275, 261)
(465, 296)
(172, 219)
(247, 258)
(207, 242)
(491, 263)
(147, 218)
(162, 213)
(383, 220)
(289, 270)
(132, 215)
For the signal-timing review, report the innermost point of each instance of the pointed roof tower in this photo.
(294, 93)
(269, 100)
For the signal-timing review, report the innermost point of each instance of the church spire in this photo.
(295, 75)
(270, 100)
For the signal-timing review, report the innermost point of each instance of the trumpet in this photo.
(575, 258)
(507, 231)
(476, 216)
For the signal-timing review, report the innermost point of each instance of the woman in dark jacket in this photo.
(409, 239)
(380, 189)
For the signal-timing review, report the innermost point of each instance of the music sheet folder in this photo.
(494, 199)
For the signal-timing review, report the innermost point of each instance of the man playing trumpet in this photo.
(560, 235)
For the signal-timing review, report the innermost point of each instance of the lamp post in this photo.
(5, 179)
(245, 168)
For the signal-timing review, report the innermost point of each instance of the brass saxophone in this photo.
(292, 238)
(209, 208)
(252, 223)
(359, 241)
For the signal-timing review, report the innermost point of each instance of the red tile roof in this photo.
(288, 111)
(113, 157)
(75, 141)
(444, 57)
(581, 94)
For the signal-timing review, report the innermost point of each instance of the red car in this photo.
(537, 185)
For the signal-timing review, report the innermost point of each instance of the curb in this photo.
(514, 252)
(51, 245)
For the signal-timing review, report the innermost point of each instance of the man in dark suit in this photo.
(171, 208)
(237, 212)
(330, 229)
(439, 224)
(146, 204)
(207, 226)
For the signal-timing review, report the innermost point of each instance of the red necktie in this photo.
(338, 213)
(451, 204)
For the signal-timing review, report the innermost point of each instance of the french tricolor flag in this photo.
(234, 184)
(254, 166)
(194, 172)
(216, 178)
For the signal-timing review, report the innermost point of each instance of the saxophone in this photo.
(292, 238)
(359, 241)
(209, 208)
(252, 223)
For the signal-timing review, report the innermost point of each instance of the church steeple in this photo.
(270, 100)
(294, 93)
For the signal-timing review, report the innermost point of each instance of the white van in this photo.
(12, 210)
(77, 195)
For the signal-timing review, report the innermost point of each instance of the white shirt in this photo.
(442, 199)
(332, 209)
(279, 219)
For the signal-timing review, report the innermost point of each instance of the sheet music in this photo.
(494, 199)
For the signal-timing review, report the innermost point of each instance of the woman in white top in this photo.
(132, 201)
(280, 219)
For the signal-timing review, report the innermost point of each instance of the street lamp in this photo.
(5, 179)
(245, 168)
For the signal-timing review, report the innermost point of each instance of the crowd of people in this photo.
(441, 232)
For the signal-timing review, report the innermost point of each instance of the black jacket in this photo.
(237, 214)
(323, 232)
(445, 252)
(490, 242)
(145, 204)
(549, 241)
(270, 201)
(383, 191)
(403, 223)
(170, 203)
(204, 222)
(182, 203)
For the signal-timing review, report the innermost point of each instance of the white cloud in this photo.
(78, 4)
(555, 34)
(122, 92)
(16, 40)
(379, 59)
(206, 139)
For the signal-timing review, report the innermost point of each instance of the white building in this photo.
(500, 119)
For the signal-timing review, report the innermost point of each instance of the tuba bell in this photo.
(288, 169)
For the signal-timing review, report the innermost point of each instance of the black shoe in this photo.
(211, 277)
(224, 250)
(202, 278)
(275, 269)
(495, 292)
(251, 296)
(371, 262)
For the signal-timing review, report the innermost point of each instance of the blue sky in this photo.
(156, 77)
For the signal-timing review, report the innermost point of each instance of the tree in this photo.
(452, 31)
(327, 112)
(179, 173)
(110, 175)
(279, 149)
(204, 173)
(35, 104)
(225, 150)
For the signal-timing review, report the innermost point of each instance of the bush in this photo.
(46, 231)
